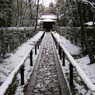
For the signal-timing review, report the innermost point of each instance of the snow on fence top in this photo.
(18, 60)
(81, 73)
(16, 28)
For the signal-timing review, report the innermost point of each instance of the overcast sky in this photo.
(46, 2)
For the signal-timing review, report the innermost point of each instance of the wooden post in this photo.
(38, 44)
(71, 76)
(61, 54)
(63, 59)
(59, 51)
(56, 45)
(31, 58)
(35, 49)
(22, 74)
(55, 41)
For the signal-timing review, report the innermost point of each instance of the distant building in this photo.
(47, 21)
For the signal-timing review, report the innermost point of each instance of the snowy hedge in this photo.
(10, 39)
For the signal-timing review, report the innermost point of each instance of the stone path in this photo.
(45, 80)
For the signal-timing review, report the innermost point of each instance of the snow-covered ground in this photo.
(88, 69)
(83, 62)
(71, 48)
(11, 63)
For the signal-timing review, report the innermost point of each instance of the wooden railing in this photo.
(6, 87)
(73, 65)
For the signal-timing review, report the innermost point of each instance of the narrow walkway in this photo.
(44, 80)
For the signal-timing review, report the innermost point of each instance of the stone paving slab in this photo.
(45, 80)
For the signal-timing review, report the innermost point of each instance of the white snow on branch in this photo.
(89, 23)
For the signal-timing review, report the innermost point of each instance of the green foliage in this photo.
(17, 13)
(76, 14)
(10, 40)
(5, 13)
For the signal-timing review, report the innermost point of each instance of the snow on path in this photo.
(45, 77)
(10, 63)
